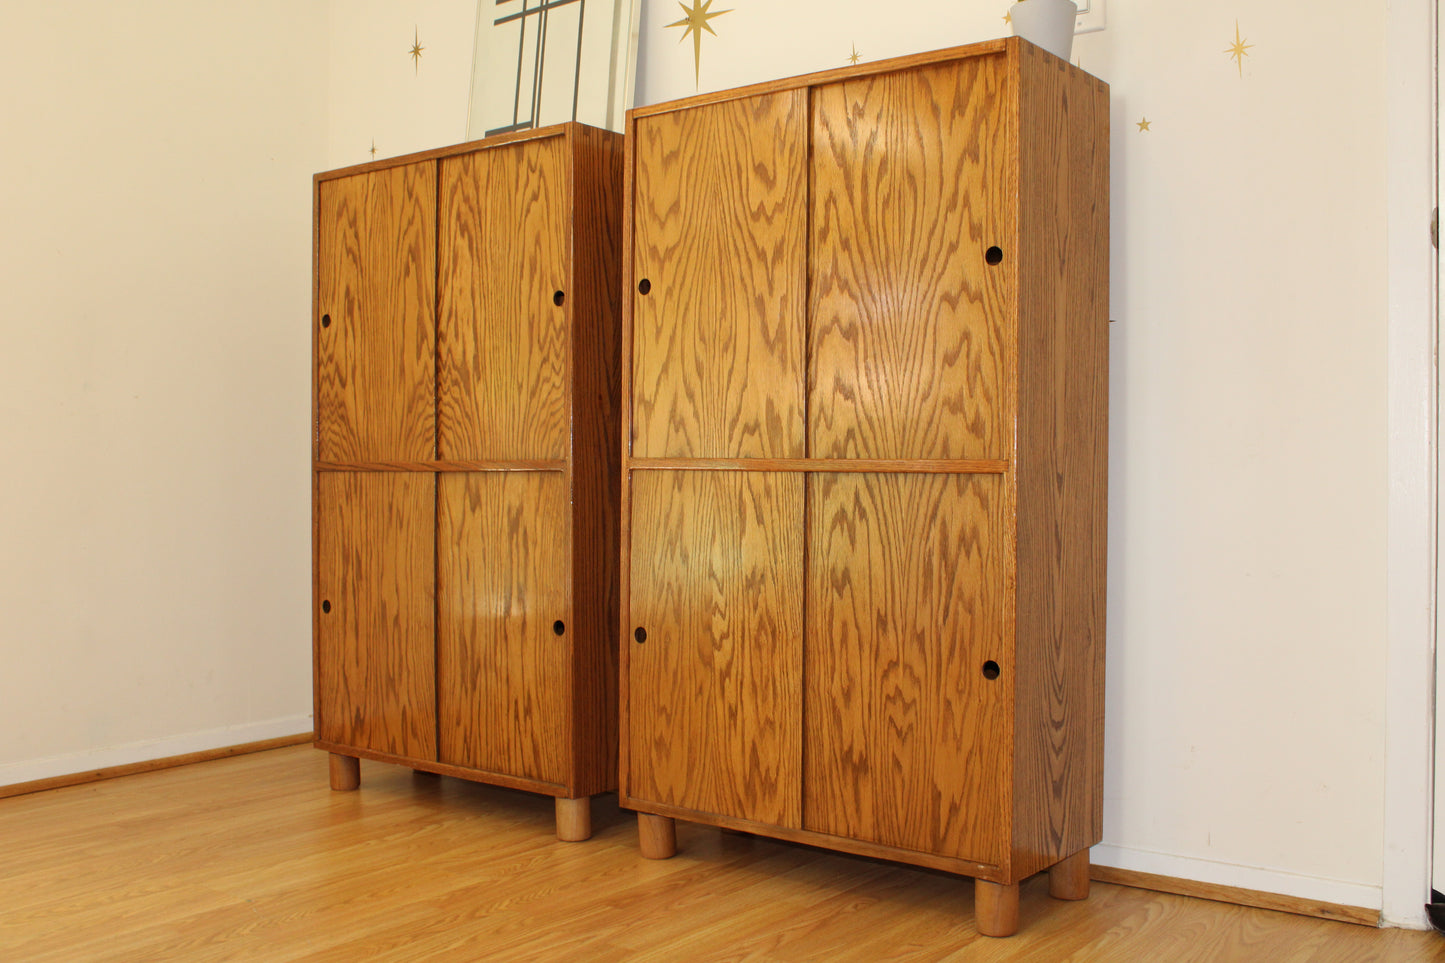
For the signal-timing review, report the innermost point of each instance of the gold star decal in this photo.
(416, 49)
(1143, 124)
(1239, 49)
(695, 21)
(855, 56)
(373, 147)
(1008, 17)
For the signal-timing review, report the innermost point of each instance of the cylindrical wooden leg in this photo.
(345, 772)
(657, 836)
(574, 819)
(1069, 878)
(996, 907)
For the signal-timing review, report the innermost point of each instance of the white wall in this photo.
(155, 393)
(154, 404)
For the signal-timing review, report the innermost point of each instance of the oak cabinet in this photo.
(865, 348)
(466, 394)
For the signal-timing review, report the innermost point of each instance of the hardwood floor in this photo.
(254, 858)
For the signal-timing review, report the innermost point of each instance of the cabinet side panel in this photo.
(1062, 459)
(713, 718)
(719, 235)
(906, 736)
(596, 452)
(502, 343)
(910, 191)
(501, 668)
(374, 642)
(376, 264)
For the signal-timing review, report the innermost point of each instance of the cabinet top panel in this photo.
(466, 147)
(1003, 45)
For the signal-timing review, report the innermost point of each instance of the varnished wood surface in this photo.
(907, 743)
(345, 772)
(833, 76)
(524, 464)
(253, 858)
(996, 908)
(502, 358)
(910, 189)
(501, 585)
(595, 302)
(432, 768)
(1236, 895)
(375, 685)
(981, 466)
(376, 261)
(714, 719)
(450, 150)
(1062, 458)
(719, 231)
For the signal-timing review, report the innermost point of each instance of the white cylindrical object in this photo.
(1048, 23)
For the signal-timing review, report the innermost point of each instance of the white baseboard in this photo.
(1245, 877)
(133, 752)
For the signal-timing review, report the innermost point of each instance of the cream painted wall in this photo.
(154, 289)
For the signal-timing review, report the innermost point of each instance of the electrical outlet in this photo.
(1091, 16)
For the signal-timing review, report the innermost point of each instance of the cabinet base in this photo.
(996, 908)
(1069, 878)
(574, 819)
(345, 772)
(656, 836)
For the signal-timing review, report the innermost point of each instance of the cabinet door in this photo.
(375, 335)
(374, 563)
(910, 320)
(502, 684)
(502, 351)
(907, 736)
(713, 716)
(719, 237)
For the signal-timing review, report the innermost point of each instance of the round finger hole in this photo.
(558, 298)
(326, 320)
(644, 286)
(326, 607)
(993, 255)
(558, 628)
(990, 669)
(640, 635)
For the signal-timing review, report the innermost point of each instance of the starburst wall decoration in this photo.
(695, 21)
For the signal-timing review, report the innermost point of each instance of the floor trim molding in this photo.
(1236, 894)
(151, 765)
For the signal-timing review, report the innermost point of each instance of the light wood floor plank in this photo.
(255, 858)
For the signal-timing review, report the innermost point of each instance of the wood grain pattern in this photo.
(907, 743)
(909, 191)
(719, 231)
(501, 341)
(376, 264)
(1063, 392)
(595, 304)
(251, 858)
(431, 767)
(979, 466)
(713, 721)
(832, 76)
(374, 648)
(536, 464)
(502, 679)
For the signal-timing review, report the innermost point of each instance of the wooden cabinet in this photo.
(466, 477)
(865, 347)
